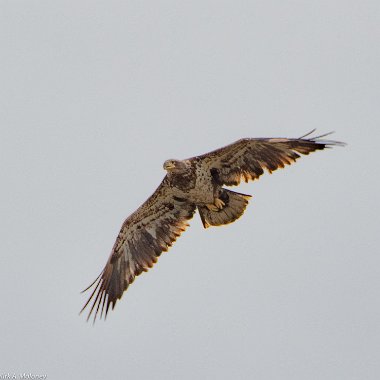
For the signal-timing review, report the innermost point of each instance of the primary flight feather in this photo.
(194, 183)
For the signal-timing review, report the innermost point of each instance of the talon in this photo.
(219, 203)
(212, 207)
(216, 206)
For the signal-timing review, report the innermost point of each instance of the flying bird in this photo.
(189, 185)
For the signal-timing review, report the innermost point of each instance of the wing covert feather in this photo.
(144, 235)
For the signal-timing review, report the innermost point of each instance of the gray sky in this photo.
(95, 95)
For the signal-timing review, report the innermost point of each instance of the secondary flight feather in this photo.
(189, 185)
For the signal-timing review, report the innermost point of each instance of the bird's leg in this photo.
(216, 206)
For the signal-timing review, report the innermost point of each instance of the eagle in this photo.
(192, 184)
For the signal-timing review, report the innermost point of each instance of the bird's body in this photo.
(193, 184)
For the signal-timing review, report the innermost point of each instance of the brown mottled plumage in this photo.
(195, 183)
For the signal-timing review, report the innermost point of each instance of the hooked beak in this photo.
(169, 166)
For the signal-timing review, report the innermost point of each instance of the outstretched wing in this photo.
(247, 158)
(144, 235)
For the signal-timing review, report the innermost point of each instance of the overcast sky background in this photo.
(95, 95)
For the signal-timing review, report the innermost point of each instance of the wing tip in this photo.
(101, 300)
(320, 139)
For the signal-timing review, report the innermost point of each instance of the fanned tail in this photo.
(235, 204)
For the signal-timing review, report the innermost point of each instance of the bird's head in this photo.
(176, 166)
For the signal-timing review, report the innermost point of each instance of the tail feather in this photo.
(235, 204)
